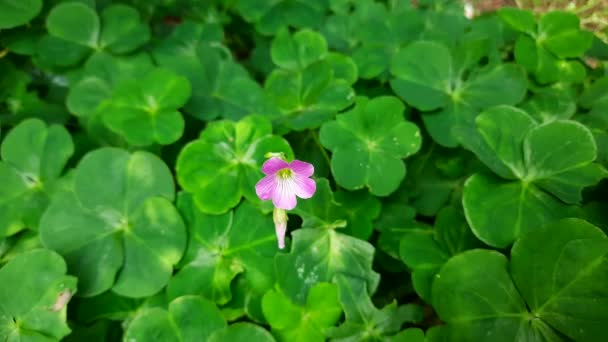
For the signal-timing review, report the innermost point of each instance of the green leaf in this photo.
(368, 143)
(188, 318)
(119, 206)
(102, 74)
(224, 164)
(74, 22)
(566, 170)
(435, 178)
(409, 335)
(364, 322)
(18, 244)
(560, 279)
(550, 104)
(354, 210)
(382, 32)
(317, 255)
(220, 248)
(563, 278)
(272, 15)
(543, 51)
(15, 13)
(425, 86)
(500, 211)
(519, 19)
(447, 80)
(423, 255)
(554, 158)
(220, 86)
(504, 129)
(33, 158)
(310, 86)
(475, 295)
(596, 94)
(122, 30)
(425, 251)
(502, 84)
(298, 51)
(292, 322)
(107, 305)
(242, 332)
(561, 34)
(35, 308)
(145, 111)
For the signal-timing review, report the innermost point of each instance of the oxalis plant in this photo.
(301, 171)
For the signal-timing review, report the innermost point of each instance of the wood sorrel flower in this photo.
(283, 182)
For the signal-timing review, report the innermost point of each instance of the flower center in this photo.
(285, 173)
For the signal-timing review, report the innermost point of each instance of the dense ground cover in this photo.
(459, 168)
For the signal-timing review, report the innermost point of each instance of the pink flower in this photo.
(284, 181)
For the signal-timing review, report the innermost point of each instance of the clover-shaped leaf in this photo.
(555, 158)
(120, 206)
(310, 322)
(271, 15)
(311, 85)
(544, 49)
(188, 318)
(101, 75)
(224, 164)
(144, 111)
(298, 51)
(382, 33)
(552, 288)
(425, 251)
(220, 86)
(353, 211)
(34, 296)
(365, 322)
(596, 94)
(368, 143)
(15, 13)
(33, 158)
(242, 332)
(317, 255)
(429, 76)
(119, 30)
(550, 104)
(220, 248)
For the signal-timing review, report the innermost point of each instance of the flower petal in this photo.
(266, 187)
(304, 187)
(284, 196)
(272, 165)
(301, 168)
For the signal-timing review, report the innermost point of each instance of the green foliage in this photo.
(368, 144)
(550, 287)
(224, 164)
(459, 171)
(34, 303)
(33, 158)
(118, 205)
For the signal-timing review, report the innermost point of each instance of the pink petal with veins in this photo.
(302, 169)
(284, 195)
(304, 187)
(274, 164)
(266, 187)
